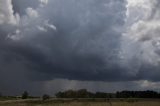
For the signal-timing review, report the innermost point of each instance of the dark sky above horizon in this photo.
(101, 45)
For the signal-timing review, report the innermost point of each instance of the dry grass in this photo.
(84, 104)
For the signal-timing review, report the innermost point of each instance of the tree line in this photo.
(83, 93)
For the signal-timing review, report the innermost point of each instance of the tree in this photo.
(25, 95)
(45, 97)
(59, 95)
(83, 93)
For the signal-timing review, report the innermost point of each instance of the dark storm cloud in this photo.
(79, 41)
(85, 45)
(69, 39)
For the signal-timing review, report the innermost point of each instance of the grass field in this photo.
(80, 103)
(84, 104)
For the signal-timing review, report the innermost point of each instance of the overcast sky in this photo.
(101, 45)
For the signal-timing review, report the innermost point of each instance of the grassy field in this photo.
(128, 102)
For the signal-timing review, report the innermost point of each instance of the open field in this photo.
(82, 102)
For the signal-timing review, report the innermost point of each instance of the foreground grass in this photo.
(79, 103)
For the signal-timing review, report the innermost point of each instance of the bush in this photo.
(45, 97)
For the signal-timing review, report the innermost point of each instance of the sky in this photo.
(48, 46)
